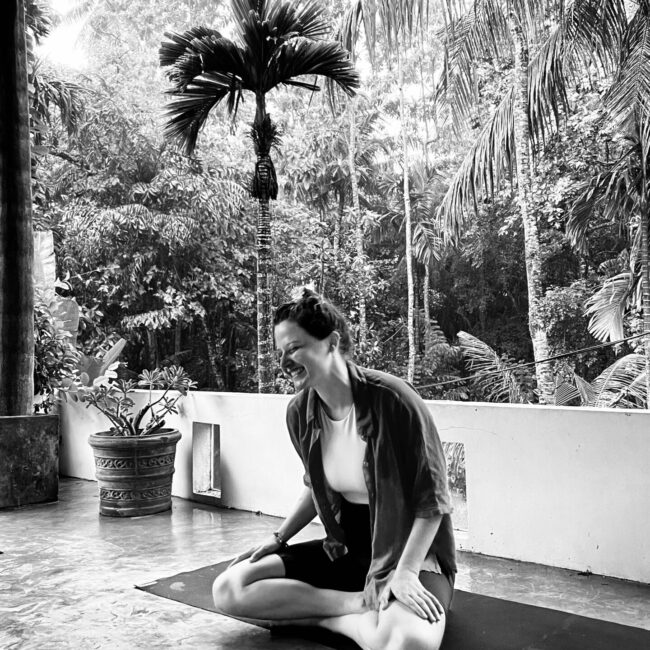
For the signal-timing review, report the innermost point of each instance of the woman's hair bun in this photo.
(316, 315)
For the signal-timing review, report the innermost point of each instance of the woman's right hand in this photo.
(268, 546)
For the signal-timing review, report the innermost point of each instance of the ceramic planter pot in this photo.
(134, 472)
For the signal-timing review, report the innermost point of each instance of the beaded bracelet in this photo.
(279, 539)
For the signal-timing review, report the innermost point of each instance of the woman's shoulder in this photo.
(385, 384)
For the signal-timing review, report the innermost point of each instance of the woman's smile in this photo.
(303, 358)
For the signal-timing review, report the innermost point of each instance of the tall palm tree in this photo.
(582, 33)
(399, 21)
(277, 42)
(620, 193)
(16, 238)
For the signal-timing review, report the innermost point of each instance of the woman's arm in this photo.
(405, 584)
(302, 513)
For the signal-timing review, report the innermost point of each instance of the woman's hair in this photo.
(317, 316)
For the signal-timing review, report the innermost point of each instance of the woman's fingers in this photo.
(417, 607)
(260, 552)
(433, 607)
(241, 557)
(423, 603)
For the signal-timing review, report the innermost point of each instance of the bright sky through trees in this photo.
(62, 46)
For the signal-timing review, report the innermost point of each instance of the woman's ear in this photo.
(335, 338)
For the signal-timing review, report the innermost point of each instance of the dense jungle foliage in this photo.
(158, 247)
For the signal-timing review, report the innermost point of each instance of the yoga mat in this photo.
(475, 622)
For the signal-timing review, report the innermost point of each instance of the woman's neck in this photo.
(336, 392)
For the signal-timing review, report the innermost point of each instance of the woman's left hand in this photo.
(407, 588)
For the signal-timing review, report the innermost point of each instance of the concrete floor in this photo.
(67, 578)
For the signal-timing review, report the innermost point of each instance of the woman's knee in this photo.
(402, 629)
(227, 592)
(229, 589)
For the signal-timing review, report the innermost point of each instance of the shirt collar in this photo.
(360, 397)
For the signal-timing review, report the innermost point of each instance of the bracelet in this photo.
(280, 539)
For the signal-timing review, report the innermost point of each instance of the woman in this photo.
(375, 474)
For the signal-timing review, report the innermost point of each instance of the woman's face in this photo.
(303, 358)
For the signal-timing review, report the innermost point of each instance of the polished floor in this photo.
(67, 578)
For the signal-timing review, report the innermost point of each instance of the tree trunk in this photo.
(264, 171)
(360, 260)
(264, 345)
(645, 279)
(152, 346)
(408, 252)
(16, 236)
(543, 371)
(178, 336)
(425, 119)
(211, 345)
(426, 306)
(336, 240)
(323, 241)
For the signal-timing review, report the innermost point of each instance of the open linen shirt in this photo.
(404, 469)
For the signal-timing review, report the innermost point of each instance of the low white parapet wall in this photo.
(557, 486)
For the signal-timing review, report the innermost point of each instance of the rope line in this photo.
(532, 363)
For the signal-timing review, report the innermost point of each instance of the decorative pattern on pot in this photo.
(122, 463)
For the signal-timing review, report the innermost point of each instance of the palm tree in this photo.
(426, 240)
(16, 239)
(277, 42)
(583, 32)
(620, 193)
(399, 21)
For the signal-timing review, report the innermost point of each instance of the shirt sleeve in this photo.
(424, 460)
(293, 427)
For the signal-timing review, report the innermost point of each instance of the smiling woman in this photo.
(375, 475)
(305, 332)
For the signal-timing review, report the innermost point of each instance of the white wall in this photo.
(557, 486)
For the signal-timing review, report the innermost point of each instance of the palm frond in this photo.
(241, 9)
(306, 19)
(494, 375)
(547, 93)
(186, 115)
(178, 45)
(426, 243)
(38, 18)
(301, 56)
(612, 193)
(484, 167)
(586, 390)
(219, 55)
(607, 307)
(565, 394)
(594, 30)
(357, 16)
(480, 32)
(50, 91)
(630, 91)
(531, 16)
(622, 383)
(400, 21)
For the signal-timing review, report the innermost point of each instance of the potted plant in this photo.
(134, 459)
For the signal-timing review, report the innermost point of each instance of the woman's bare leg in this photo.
(259, 590)
(395, 628)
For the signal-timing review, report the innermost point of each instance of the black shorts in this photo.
(308, 562)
